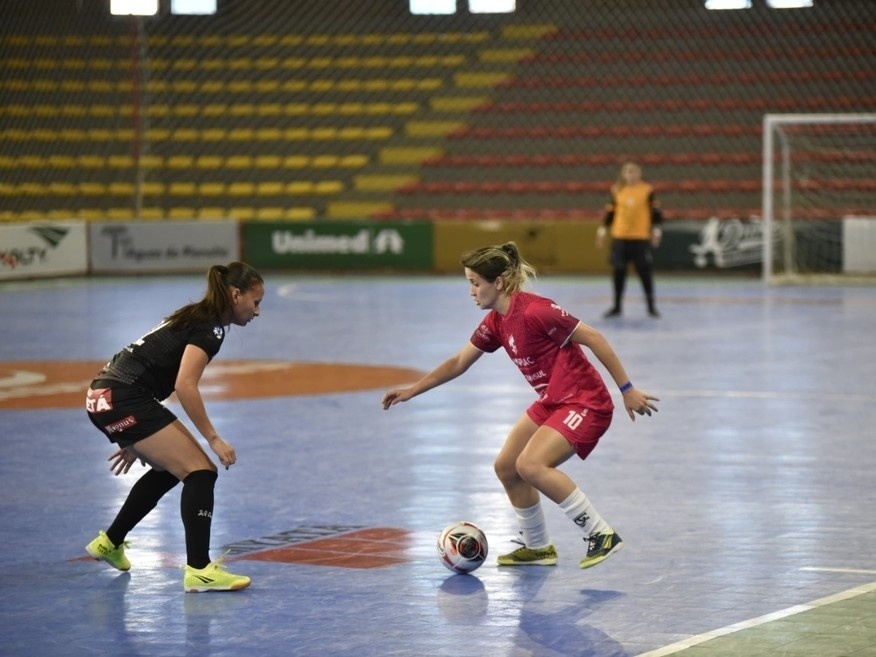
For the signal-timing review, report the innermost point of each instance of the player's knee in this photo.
(505, 469)
(528, 470)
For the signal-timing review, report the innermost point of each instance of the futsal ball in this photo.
(462, 547)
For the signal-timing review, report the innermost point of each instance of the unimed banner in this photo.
(338, 245)
(38, 249)
(162, 246)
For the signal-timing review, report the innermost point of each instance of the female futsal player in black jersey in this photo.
(124, 402)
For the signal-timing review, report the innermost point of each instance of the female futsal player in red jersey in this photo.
(573, 409)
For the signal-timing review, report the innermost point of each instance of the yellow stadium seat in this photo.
(152, 189)
(270, 213)
(62, 161)
(151, 213)
(241, 189)
(301, 187)
(296, 162)
(181, 213)
(242, 213)
(268, 161)
(63, 189)
(209, 162)
(270, 188)
(186, 134)
(179, 162)
(91, 214)
(121, 189)
(120, 162)
(211, 189)
(182, 189)
(382, 183)
(90, 161)
(120, 214)
(207, 212)
(299, 214)
(408, 155)
(92, 189)
(238, 162)
(327, 187)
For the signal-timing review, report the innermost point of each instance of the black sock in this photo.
(196, 508)
(143, 497)
(620, 282)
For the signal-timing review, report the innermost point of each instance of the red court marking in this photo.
(62, 384)
(367, 548)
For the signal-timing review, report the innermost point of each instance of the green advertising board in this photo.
(338, 245)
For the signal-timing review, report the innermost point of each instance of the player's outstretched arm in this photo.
(635, 400)
(446, 371)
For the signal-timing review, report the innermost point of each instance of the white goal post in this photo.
(819, 196)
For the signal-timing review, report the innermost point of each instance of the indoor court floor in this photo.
(747, 504)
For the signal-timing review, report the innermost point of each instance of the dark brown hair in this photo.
(216, 303)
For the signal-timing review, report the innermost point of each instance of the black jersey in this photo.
(152, 362)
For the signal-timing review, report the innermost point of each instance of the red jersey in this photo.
(536, 334)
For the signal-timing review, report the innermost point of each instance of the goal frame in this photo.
(769, 221)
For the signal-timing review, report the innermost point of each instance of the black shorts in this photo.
(635, 251)
(125, 414)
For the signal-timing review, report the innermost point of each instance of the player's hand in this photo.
(224, 451)
(122, 460)
(636, 401)
(394, 397)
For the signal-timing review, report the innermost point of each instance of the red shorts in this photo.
(582, 427)
(125, 414)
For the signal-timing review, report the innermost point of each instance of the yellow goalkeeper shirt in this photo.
(631, 214)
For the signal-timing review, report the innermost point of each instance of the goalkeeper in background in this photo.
(634, 218)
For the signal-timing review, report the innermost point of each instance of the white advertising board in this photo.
(162, 246)
(859, 245)
(40, 249)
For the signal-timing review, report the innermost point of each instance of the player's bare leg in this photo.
(537, 549)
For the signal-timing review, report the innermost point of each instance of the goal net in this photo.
(819, 197)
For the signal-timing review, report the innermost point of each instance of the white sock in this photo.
(533, 526)
(581, 511)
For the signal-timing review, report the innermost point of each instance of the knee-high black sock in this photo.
(620, 281)
(647, 279)
(143, 497)
(196, 508)
(648, 286)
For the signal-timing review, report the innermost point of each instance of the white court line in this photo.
(768, 394)
(854, 571)
(754, 622)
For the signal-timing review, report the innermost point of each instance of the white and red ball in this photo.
(462, 547)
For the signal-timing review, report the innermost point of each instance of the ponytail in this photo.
(216, 304)
(502, 260)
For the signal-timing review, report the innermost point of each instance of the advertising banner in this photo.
(338, 245)
(162, 246)
(714, 244)
(38, 249)
(859, 245)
